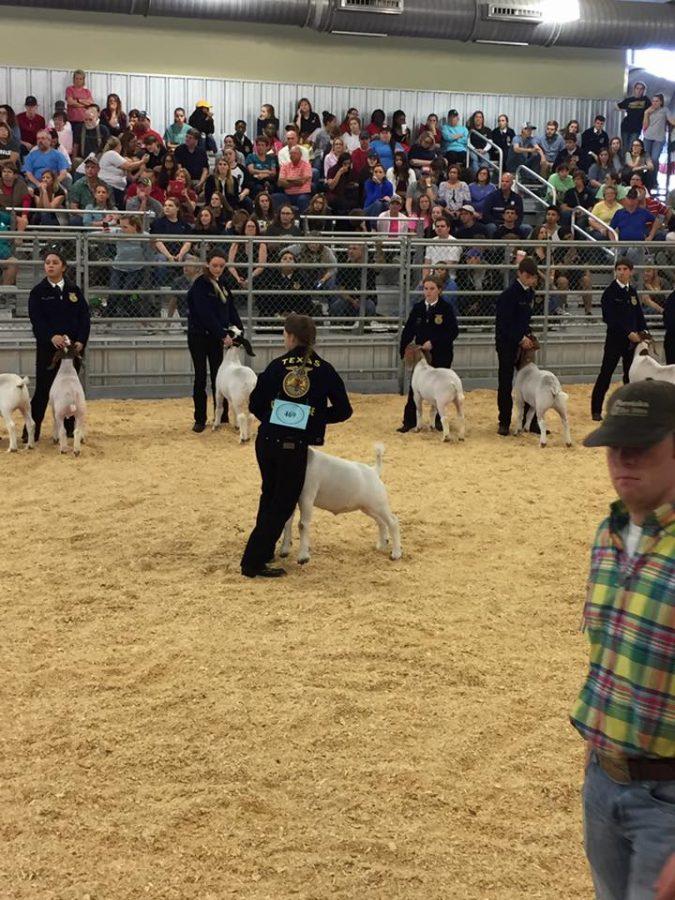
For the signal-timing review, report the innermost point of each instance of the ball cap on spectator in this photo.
(59, 104)
(468, 208)
(364, 136)
(204, 103)
(142, 114)
(395, 198)
(91, 160)
(30, 101)
(639, 414)
(527, 125)
(452, 112)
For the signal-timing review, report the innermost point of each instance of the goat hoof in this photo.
(303, 561)
(55, 440)
(394, 556)
(76, 452)
(12, 449)
(569, 445)
(283, 554)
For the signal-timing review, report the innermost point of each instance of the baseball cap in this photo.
(142, 114)
(527, 125)
(639, 414)
(145, 181)
(91, 160)
(468, 208)
(30, 101)
(204, 103)
(364, 136)
(452, 112)
(395, 198)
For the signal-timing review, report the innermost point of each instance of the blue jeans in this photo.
(299, 201)
(653, 150)
(629, 833)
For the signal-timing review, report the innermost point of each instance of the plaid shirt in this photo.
(627, 703)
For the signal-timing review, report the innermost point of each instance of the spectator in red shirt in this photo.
(360, 155)
(377, 120)
(295, 180)
(14, 192)
(30, 122)
(78, 99)
(142, 127)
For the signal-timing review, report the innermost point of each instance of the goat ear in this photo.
(247, 346)
(644, 352)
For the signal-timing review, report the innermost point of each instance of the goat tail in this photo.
(24, 382)
(72, 409)
(552, 383)
(379, 456)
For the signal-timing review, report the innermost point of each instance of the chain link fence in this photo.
(360, 281)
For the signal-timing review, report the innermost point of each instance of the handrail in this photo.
(550, 189)
(489, 145)
(579, 210)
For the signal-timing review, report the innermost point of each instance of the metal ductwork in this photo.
(603, 24)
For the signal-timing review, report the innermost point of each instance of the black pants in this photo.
(617, 347)
(44, 378)
(283, 463)
(507, 352)
(669, 347)
(410, 410)
(205, 348)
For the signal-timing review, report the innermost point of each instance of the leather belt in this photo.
(625, 769)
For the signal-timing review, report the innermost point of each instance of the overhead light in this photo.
(657, 62)
(560, 12)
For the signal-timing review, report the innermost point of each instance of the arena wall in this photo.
(235, 50)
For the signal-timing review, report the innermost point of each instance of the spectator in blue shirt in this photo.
(525, 150)
(383, 147)
(632, 222)
(455, 139)
(552, 143)
(43, 158)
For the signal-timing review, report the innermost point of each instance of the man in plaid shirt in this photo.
(626, 708)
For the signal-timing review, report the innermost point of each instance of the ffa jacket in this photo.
(55, 311)
(621, 310)
(324, 393)
(437, 324)
(514, 311)
(208, 312)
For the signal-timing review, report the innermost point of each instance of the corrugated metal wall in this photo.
(160, 94)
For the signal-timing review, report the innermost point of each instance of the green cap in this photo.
(638, 415)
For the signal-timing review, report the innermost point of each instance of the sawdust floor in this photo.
(361, 729)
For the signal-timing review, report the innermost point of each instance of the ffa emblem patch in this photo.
(633, 300)
(438, 320)
(296, 383)
(72, 296)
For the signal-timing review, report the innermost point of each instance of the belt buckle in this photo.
(616, 767)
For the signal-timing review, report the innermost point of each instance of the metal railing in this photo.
(580, 212)
(484, 154)
(357, 281)
(522, 187)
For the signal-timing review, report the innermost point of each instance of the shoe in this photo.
(265, 572)
(404, 429)
(504, 430)
(596, 417)
(198, 427)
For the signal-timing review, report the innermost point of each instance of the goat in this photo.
(542, 391)
(66, 398)
(644, 367)
(14, 395)
(339, 486)
(234, 383)
(440, 387)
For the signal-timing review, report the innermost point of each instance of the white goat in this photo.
(234, 383)
(644, 366)
(66, 398)
(339, 486)
(440, 387)
(14, 395)
(542, 391)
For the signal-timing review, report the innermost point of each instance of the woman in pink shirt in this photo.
(78, 98)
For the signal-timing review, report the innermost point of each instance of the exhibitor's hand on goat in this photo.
(634, 337)
(227, 341)
(426, 345)
(59, 341)
(526, 343)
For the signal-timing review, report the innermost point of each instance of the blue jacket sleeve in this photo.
(262, 395)
(669, 313)
(41, 328)
(339, 409)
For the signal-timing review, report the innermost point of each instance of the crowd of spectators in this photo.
(87, 164)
